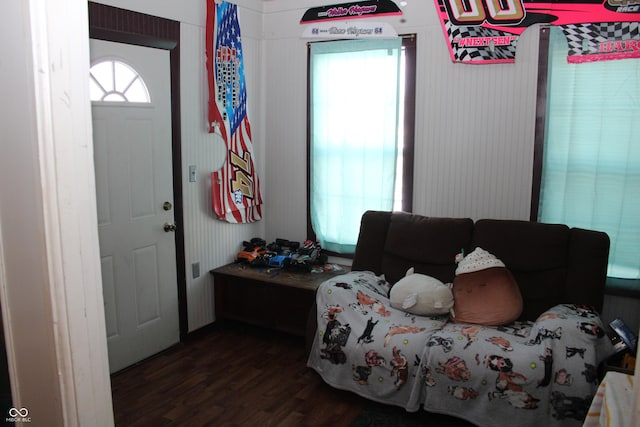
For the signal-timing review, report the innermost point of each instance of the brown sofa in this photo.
(552, 263)
(541, 369)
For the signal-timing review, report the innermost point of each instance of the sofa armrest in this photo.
(587, 273)
(371, 240)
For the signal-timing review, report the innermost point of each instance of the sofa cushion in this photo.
(537, 255)
(486, 297)
(428, 244)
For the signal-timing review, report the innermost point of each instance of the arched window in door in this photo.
(114, 81)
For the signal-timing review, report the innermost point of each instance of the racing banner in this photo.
(235, 188)
(353, 10)
(487, 31)
(347, 30)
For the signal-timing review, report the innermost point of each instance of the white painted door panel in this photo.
(133, 158)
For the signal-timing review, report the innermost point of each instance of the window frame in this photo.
(408, 144)
(137, 80)
(614, 286)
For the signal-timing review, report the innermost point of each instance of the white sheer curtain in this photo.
(591, 166)
(354, 131)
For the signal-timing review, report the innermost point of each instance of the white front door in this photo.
(133, 162)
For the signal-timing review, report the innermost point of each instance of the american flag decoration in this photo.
(235, 188)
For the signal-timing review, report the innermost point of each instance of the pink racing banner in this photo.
(352, 10)
(487, 31)
(235, 188)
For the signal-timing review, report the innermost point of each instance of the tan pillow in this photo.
(486, 297)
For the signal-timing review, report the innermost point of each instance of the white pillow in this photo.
(421, 294)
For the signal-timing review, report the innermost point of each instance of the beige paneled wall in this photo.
(285, 114)
(474, 124)
(474, 131)
(475, 134)
(475, 128)
(208, 241)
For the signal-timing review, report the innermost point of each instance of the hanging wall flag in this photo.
(602, 41)
(487, 31)
(235, 189)
(353, 10)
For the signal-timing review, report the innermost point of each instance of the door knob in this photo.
(169, 227)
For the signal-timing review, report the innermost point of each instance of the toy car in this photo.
(279, 261)
(252, 255)
(253, 252)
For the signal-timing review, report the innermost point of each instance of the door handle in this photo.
(169, 227)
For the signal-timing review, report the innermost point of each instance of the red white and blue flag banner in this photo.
(487, 31)
(235, 188)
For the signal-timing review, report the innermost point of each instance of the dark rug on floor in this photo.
(379, 415)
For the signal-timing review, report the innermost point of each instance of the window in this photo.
(361, 127)
(115, 81)
(591, 157)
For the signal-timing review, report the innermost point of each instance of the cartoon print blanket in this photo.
(538, 373)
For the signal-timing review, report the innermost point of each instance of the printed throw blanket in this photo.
(235, 189)
(538, 373)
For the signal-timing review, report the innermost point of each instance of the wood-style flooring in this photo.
(230, 375)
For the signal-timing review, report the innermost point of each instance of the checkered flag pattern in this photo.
(585, 39)
(502, 53)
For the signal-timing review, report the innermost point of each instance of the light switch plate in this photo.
(195, 270)
(192, 173)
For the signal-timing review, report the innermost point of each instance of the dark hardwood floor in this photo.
(230, 375)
